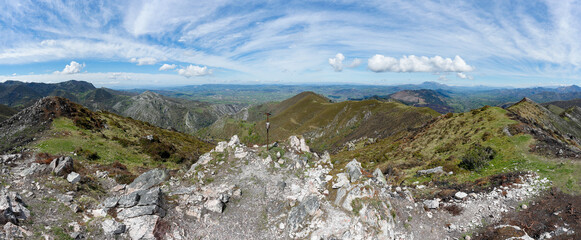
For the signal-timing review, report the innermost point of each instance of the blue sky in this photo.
(121, 44)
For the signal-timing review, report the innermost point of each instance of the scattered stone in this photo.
(353, 168)
(129, 200)
(149, 179)
(34, 168)
(73, 177)
(281, 185)
(311, 204)
(152, 197)
(204, 159)
(460, 195)
(304, 147)
(277, 154)
(342, 180)
(12, 208)
(524, 207)
(138, 211)
(111, 202)
(436, 170)
(296, 216)
(240, 153)
(294, 143)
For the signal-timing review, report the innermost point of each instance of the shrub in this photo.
(88, 154)
(477, 158)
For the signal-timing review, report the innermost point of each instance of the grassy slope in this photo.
(444, 142)
(123, 141)
(6, 112)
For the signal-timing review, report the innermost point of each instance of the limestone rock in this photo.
(294, 143)
(304, 147)
(378, 175)
(432, 204)
(12, 208)
(13, 231)
(205, 159)
(311, 204)
(73, 177)
(460, 195)
(142, 227)
(62, 166)
(214, 205)
(111, 227)
(353, 168)
(342, 180)
(138, 211)
(149, 179)
(436, 170)
(234, 141)
(221, 146)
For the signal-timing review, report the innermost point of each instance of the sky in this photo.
(156, 43)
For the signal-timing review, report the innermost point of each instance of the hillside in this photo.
(6, 112)
(436, 100)
(180, 114)
(22, 94)
(327, 125)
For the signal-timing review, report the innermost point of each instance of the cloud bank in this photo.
(380, 63)
(144, 61)
(72, 68)
(337, 62)
(194, 71)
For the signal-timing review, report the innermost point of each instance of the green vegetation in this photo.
(124, 145)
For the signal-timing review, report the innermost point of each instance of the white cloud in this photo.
(72, 68)
(144, 61)
(380, 63)
(166, 67)
(194, 71)
(337, 62)
(464, 75)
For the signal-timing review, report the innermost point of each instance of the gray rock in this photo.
(234, 141)
(64, 198)
(432, 204)
(281, 185)
(152, 197)
(140, 211)
(214, 205)
(224, 197)
(77, 235)
(12, 208)
(142, 227)
(296, 217)
(436, 170)
(62, 166)
(111, 227)
(111, 202)
(204, 159)
(149, 179)
(129, 200)
(353, 168)
(73, 177)
(13, 231)
(34, 168)
(311, 204)
(378, 175)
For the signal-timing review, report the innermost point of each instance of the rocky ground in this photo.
(242, 192)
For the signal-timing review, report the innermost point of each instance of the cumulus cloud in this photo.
(337, 62)
(380, 63)
(194, 71)
(464, 76)
(166, 67)
(72, 68)
(144, 61)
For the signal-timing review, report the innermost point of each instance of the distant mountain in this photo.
(436, 100)
(21, 94)
(180, 114)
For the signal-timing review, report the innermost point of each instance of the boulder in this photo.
(152, 197)
(353, 168)
(296, 217)
(142, 227)
(149, 179)
(13, 231)
(294, 143)
(342, 180)
(110, 202)
(214, 205)
(12, 208)
(34, 168)
(378, 175)
(138, 211)
(311, 204)
(129, 200)
(436, 170)
(73, 177)
(62, 166)
(234, 141)
(112, 227)
(240, 153)
(304, 147)
(204, 159)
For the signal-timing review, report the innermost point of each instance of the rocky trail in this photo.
(241, 192)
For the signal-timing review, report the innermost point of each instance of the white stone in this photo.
(460, 195)
(73, 177)
(240, 153)
(295, 143)
(234, 141)
(204, 159)
(142, 227)
(267, 160)
(342, 180)
(304, 146)
(221, 146)
(214, 205)
(432, 204)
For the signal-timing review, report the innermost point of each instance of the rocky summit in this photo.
(243, 192)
